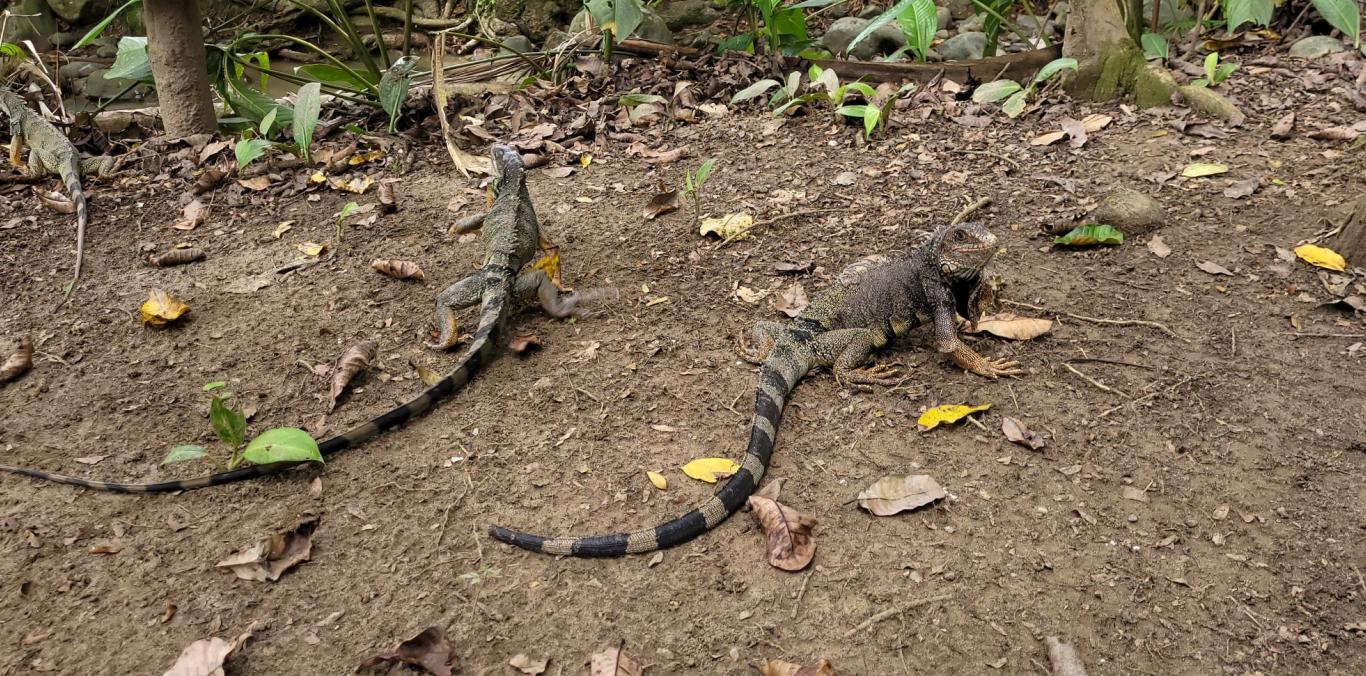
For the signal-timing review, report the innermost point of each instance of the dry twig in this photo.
(890, 612)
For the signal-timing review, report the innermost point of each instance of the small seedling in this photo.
(786, 91)
(281, 444)
(346, 210)
(692, 186)
(1015, 96)
(478, 577)
(1215, 72)
(874, 114)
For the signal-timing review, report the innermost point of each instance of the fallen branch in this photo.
(1146, 397)
(896, 611)
(1094, 383)
(1098, 320)
(970, 210)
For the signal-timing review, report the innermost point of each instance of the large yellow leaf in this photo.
(1321, 256)
(161, 308)
(1198, 169)
(948, 413)
(711, 469)
(732, 226)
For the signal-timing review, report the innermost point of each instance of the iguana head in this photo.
(962, 250)
(508, 171)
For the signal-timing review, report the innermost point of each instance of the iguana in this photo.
(872, 302)
(50, 151)
(512, 233)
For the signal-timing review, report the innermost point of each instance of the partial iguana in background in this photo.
(872, 302)
(512, 233)
(50, 151)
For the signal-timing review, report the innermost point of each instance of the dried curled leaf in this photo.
(661, 204)
(1213, 268)
(1321, 256)
(1199, 169)
(18, 362)
(176, 257)
(710, 469)
(208, 180)
(161, 308)
(55, 201)
(206, 656)
(271, 557)
(614, 662)
(948, 413)
(388, 202)
(1016, 432)
(430, 651)
(529, 665)
(781, 668)
(399, 269)
(898, 493)
(352, 362)
(792, 301)
(524, 343)
(1012, 326)
(787, 533)
(191, 216)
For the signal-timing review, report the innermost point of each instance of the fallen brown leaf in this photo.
(1012, 326)
(399, 269)
(205, 657)
(1242, 189)
(176, 257)
(1213, 268)
(271, 557)
(429, 650)
(388, 202)
(1016, 432)
(1135, 494)
(614, 662)
(661, 204)
(1281, 130)
(781, 668)
(521, 662)
(771, 489)
(208, 181)
(191, 216)
(55, 201)
(787, 532)
(1048, 139)
(91, 459)
(792, 301)
(1335, 134)
(524, 343)
(1158, 247)
(899, 492)
(255, 183)
(1075, 129)
(349, 366)
(18, 362)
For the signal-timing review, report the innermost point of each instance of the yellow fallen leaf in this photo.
(356, 185)
(731, 226)
(310, 248)
(551, 265)
(317, 178)
(585, 159)
(281, 228)
(710, 469)
(658, 480)
(947, 413)
(161, 308)
(1199, 169)
(362, 158)
(1321, 256)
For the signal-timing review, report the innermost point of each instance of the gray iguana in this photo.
(512, 232)
(871, 303)
(50, 151)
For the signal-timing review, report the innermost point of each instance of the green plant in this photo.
(777, 28)
(346, 210)
(307, 106)
(692, 185)
(1015, 96)
(1239, 12)
(393, 88)
(1155, 46)
(280, 444)
(1215, 72)
(919, 23)
(873, 113)
(618, 19)
(478, 577)
(1343, 15)
(786, 90)
(830, 90)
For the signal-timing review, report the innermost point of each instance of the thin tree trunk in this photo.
(175, 48)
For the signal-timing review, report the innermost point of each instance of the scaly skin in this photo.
(512, 233)
(872, 302)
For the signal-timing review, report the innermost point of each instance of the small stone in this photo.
(972, 24)
(518, 43)
(97, 86)
(964, 46)
(1316, 46)
(884, 40)
(1034, 25)
(950, 576)
(1133, 518)
(1130, 211)
(942, 17)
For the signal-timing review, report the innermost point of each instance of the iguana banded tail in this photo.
(871, 303)
(49, 150)
(513, 234)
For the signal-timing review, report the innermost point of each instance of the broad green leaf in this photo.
(131, 61)
(1211, 62)
(743, 42)
(183, 453)
(871, 118)
(753, 90)
(601, 11)
(1156, 45)
(919, 23)
(705, 170)
(794, 81)
(393, 89)
(1198, 169)
(228, 423)
(1053, 68)
(248, 150)
(995, 91)
(636, 98)
(282, 444)
(346, 210)
(254, 105)
(862, 88)
(1089, 235)
(858, 111)
(209, 387)
(807, 98)
(815, 3)
(98, 28)
(326, 72)
(267, 122)
(1014, 105)
(306, 110)
(626, 18)
(827, 79)
(882, 20)
(1342, 15)
(1239, 12)
(1223, 70)
(11, 50)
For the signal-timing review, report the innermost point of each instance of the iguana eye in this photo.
(960, 235)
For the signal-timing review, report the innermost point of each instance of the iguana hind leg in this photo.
(16, 151)
(765, 335)
(455, 297)
(537, 285)
(846, 350)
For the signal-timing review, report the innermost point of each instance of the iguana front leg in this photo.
(16, 150)
(457, 296)
(946, 340)
(850, 349)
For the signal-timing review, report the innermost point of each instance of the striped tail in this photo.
(782, 369)
(493, 314)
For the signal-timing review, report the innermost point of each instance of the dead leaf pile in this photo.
(900, 492)
(352, 362)
(271, 557)
(429, 651)
(787, 533)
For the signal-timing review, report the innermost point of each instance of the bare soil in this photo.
(1247, 443)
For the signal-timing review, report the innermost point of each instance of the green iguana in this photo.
(512, 233)
(50, 151)
(872, 302)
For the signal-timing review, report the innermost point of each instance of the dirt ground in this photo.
(1247, 443)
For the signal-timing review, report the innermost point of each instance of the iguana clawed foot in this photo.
(862, 379)
(447, 334)
(751, 354)
(984, 366)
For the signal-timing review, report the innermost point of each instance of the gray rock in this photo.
(1132, 212)
(960, 9)
(31, 20)
(941, 34)
(884, 40)
(97, 86)
(681, 14)
(1316, 46)
(972, 24)
(1035, 25)
(870, 12)
(75, 70)
(1060, 10)
(653, 28)
(942, 17)
(80, 12)
(964, 47)
(932, 56)
(65, 39)
(518, 43)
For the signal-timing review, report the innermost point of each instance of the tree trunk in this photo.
(1351, 240)
(175, 49)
